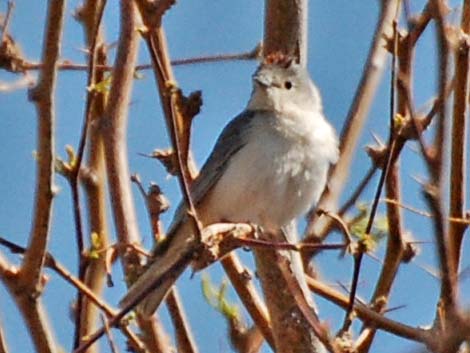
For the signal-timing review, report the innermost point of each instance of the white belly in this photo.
(272, 180)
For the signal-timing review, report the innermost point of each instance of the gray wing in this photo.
(230, 141)
(173, 255)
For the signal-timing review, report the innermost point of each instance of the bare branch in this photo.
(112, 343)
(114, 127)
(459, 142)
(178, 125)
(434, 191)
(26, 285)
(285, 29)
(31, 309)
(96, 15)
(291, 329)
(42, 95)
(184, 339)
(6, 21)
(242, 281)
(67, 65)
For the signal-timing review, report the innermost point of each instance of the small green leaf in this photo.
(93, 254)
(102, 86)
(399, 121)
(72, 157)
(358, 228)
(96, 241)
(216, 297)
(96, 246)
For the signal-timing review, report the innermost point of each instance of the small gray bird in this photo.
(268, 166)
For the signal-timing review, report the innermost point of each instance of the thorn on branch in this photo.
(67, 168)
(409, 252)
(389, 45)
(186, 109)
(191, 105)
(156, 203)
(167, 158)
(378, 155)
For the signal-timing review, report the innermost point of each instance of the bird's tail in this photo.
(168, 264)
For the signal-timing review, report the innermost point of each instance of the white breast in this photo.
(278, 175)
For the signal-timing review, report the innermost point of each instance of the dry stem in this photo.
(27, 286)
(43, 96)
(285, 28)
(457, 193)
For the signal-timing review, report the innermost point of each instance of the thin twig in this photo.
(298, 247)
(6, 21)
(393, 255)
(67, 65)
(463, 221)
(389, 159)
(112, 343)
(356, 118)
(368, 315)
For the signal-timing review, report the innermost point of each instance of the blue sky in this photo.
(339, 37)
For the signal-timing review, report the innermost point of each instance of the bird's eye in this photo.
(287, 85)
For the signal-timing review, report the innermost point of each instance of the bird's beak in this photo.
(265, 81)
(262, 80)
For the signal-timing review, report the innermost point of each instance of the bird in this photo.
(268, 167)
